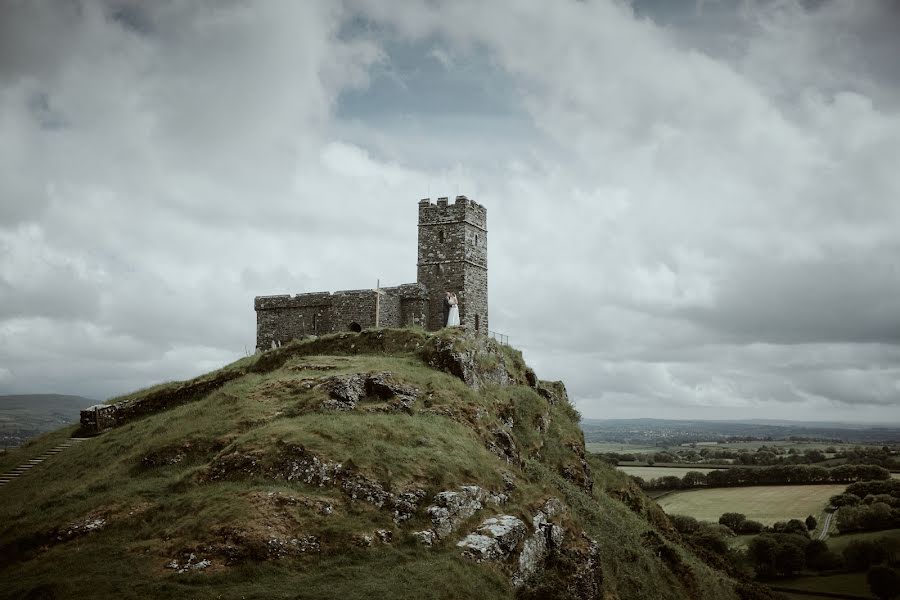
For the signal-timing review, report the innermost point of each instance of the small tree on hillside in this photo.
(884, 582)
(811, 522)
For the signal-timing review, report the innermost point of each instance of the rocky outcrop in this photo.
(295, 463)
(495, 539)
(451, 508)
(346, 392)
(475, 359)
(546, 538)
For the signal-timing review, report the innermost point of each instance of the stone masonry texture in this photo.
(452, 255)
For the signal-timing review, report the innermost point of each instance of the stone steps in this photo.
(12, 475)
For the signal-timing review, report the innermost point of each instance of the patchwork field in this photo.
(648, 473)
(766, 504)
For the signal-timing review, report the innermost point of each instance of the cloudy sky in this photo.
(694, 207)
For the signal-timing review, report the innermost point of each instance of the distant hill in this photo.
(24, 416)
(383, 464)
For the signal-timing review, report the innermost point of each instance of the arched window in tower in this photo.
(438, 269)
(476, 239)
(441, 236)
(477, 323)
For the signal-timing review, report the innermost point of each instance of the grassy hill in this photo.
(390, 463)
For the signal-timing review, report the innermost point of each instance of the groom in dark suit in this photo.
(446, 308)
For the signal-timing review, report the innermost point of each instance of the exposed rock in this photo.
(426, 536)
(475, 359)
(360, 487)
(580, 473)
(450, 508)
(546, 538)
(554, 391)
(347, 391)
(344, 391)
(385, 536)
(494, 539)
(279, 547)
(81, 527)
(190, 562)
(363, 540)
(406, 503)
(504, 446)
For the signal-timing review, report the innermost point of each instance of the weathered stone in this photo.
(452, 507)
(406, 503)
(280, 547)
(425, 536)
(347, 391)
(344, 391)
(385, 536)
(494, 539)
(546, 538)
(504, 446)
(191, 562)
(81, 527)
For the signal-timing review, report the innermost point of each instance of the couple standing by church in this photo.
(451, 309)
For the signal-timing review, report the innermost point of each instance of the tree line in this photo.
(773, 475)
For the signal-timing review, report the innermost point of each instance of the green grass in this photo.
(766, 504)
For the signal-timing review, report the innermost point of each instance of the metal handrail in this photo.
(500, 337)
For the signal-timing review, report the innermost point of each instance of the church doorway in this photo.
(355, 327)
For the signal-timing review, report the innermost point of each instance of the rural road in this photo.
(823, 532)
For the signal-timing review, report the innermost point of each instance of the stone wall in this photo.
(280, 319)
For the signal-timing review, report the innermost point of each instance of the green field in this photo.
(837, 543)
(766, 504)
(647, 473)
(601, 447)
(851, 584)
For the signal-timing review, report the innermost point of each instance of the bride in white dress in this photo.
(453, 317)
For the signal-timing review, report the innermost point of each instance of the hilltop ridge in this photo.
(384, 463)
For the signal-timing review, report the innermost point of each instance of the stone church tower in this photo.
(453, 256)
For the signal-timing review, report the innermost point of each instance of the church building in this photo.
(452, 255)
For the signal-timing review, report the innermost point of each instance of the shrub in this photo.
(732, 520)
(811, 523)
(884, 582)
(862, 554)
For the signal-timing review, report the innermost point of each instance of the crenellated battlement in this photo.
(442, 212)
